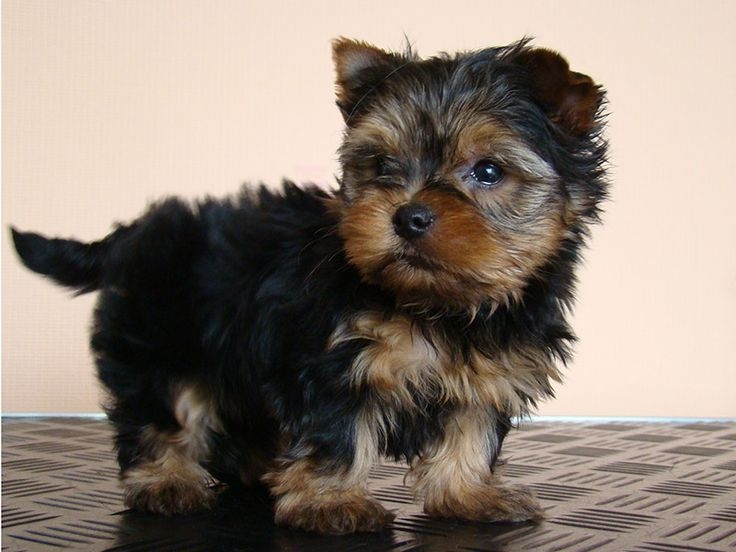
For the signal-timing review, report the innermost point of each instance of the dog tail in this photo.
(70, 263)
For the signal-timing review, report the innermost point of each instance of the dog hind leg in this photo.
(167, 476)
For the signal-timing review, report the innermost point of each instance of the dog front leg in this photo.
(327, 494)
(456, 480)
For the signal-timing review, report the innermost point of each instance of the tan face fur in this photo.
(485, 241)
(415, 133)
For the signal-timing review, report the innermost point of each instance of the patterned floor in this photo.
(619, 487)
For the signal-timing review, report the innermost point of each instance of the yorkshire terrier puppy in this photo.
(295, 337)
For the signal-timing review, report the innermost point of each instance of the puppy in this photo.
(296, 337)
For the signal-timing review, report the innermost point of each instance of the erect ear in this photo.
(570, 99)
(360, 67)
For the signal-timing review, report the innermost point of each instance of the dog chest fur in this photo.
(404, 359)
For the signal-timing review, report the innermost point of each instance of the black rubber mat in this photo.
(619, 487)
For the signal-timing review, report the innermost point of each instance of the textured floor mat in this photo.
(619, 487)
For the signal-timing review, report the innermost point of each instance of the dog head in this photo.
(465, 176)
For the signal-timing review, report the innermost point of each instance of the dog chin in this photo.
(408, 269)
(414, 278)
(418, 262)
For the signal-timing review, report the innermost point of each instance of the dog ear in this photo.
(570, 99)
(359, 67)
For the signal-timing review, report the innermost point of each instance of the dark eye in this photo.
(382, 166)
(487, 173)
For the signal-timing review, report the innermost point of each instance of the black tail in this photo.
(70, 263)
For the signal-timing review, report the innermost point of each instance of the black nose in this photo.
(412, 220)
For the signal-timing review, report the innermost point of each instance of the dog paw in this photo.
(514, 504)
(168, 496)
(493, 504)
(334, 515)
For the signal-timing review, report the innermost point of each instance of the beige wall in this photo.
(107, 105)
